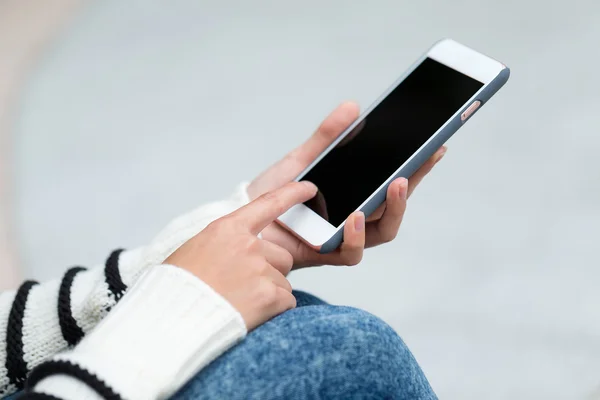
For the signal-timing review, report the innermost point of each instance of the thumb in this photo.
(335, 123)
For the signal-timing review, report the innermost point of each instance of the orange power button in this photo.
(470, 110)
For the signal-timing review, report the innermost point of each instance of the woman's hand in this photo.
(381, 227)
(247, 271)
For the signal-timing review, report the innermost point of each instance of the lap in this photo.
(314, 351)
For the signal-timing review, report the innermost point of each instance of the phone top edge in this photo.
(466, 60)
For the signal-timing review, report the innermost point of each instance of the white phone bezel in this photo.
(316, 231)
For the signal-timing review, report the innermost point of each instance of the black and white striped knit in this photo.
(39, 321)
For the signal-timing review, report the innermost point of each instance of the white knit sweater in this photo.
(160, 332)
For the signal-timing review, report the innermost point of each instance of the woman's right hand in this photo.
(247, 271)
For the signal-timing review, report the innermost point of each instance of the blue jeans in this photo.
(315, 351)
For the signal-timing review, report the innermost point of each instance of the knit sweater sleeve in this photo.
(166, 329)
(38, 321)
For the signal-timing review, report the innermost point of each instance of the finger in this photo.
(418, 176)
(321, 205)
(352, 134)
(277, 278)
(376, 215)
(335, 123)
(284, 301)
(414, 180)
(351, 251)
(278, 257)
(385, 229)
(261, 212)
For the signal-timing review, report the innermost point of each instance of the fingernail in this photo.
(403, 189)
(310, 185)
(359, 221)
(442, 152)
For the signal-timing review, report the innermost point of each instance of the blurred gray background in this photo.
(142, 110)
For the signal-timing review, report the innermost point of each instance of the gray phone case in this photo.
(423, 154)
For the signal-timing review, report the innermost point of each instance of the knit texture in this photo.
(164, 330)
(71, 332)
(53, 316)
(16, 366)
(6, 301)
(39, 396)
(53, 368)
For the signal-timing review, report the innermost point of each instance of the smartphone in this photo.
(393, 138)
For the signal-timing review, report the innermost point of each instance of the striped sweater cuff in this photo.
(164, 330)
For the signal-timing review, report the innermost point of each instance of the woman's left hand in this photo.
(381, 227)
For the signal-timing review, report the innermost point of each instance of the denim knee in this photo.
(314, 352)
(304, 299)
(364, 355)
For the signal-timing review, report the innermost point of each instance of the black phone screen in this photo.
(387, 137)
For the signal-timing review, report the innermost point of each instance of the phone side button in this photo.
(470, 110)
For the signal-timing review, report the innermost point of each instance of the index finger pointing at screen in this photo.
(268, 207)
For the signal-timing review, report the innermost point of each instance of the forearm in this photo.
(39, 320)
